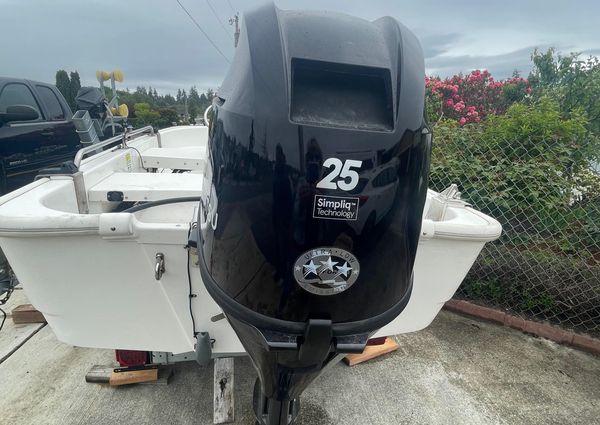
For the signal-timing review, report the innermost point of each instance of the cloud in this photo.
(437, 44)
(593, 52)
(500, 66)
(155, 43)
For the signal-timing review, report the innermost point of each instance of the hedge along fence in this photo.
(530, 169)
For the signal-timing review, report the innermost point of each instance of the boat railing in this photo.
(97, 147)
(206, 121)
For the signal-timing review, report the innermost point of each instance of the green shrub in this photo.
(528, 168)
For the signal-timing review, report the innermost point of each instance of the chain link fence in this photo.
(546, 264)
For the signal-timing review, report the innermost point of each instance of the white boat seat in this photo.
(147, 186)
(183, 158)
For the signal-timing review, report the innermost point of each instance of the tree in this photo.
(144, 115)
(168, 116)
(193, 103)
(205, 100)
(169, 99)
(148, 102)
(194, 97)
(192, 111)
(570, 80)
(141, 91)
(63, 84)
(74, 87)
(545, 68)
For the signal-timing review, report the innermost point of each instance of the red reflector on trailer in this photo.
(128, 358)
(377, 341)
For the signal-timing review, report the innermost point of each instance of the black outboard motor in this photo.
(320, 158)
(91, 99)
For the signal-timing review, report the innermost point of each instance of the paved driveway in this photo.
(458, 371)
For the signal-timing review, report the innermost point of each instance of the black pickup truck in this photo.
(36, 131)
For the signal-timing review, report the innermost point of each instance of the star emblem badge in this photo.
(344, 270)
(310, 268)
(326, 271)
(328, 265)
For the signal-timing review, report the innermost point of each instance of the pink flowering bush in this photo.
(470, 98)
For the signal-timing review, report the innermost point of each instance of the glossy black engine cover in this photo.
(305, 87)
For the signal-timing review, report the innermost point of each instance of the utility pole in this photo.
(236, 20)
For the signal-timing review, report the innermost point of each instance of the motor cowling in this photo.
(319, 161)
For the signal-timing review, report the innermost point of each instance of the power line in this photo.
(219, 19)
(203, 32)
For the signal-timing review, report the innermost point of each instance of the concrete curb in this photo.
(561, 336)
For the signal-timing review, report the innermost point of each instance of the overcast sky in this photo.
(155, 43)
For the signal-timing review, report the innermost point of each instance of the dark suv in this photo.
(36, 131)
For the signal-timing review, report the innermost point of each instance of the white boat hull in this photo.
(92, 275)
